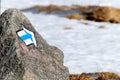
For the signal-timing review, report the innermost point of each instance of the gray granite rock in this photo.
(21, 62)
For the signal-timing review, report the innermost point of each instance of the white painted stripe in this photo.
(28, 41)
(33, 37)
(21, 33)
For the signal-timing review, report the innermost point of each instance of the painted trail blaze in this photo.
(27, 36)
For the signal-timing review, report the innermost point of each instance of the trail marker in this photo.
(27, 36)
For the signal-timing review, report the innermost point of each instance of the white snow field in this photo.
(86, 47)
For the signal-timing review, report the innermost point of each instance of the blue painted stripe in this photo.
(26, 36)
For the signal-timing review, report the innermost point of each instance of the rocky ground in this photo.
(95, 76)
(96, 13)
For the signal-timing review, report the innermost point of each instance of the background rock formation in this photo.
(96, 13)
(21, 62)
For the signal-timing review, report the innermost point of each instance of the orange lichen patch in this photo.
(76, 16)
(107, 14)
(100, 13)
(109, 75)
(101, 27)
(68, 28)
(83, 76)
(100, 76)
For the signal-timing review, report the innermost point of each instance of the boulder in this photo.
(104, 13)
(19, 61)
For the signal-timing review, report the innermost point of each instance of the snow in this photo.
(86, 47)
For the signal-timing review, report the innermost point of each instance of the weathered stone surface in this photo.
(21, 62)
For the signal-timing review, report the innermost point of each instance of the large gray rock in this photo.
(21, 62)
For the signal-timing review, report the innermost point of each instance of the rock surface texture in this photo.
(21, 62)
